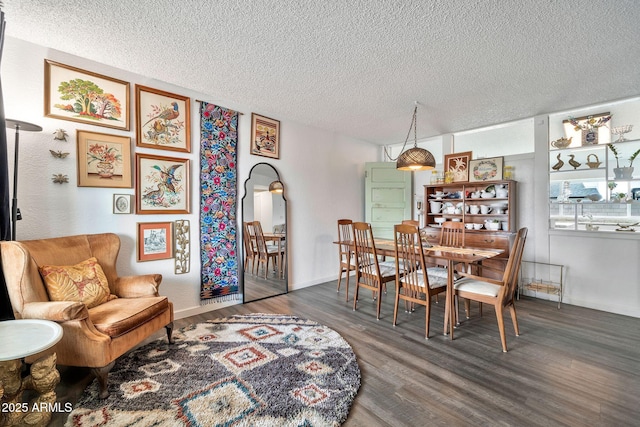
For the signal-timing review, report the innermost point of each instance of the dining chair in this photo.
(346, 257)
(250, 252)
(370, 273)
(499, 292)
(417, 283)
(452, 234)
(411, 222)
(265, 252)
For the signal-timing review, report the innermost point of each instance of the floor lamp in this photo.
(29, 127)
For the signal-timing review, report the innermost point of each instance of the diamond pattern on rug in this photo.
(221, 404)
(136, 388)
(314, 368)
(163, 367)
(239, 359)
(260, 332)
(310, 394)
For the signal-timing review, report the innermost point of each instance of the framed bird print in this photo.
(163, 120)
(103, 160)
(162, 185)
(265, 136)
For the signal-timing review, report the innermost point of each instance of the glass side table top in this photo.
(24, 337)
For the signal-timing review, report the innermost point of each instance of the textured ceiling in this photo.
(357, 67)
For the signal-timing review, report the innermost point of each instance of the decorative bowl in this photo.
(440, 220)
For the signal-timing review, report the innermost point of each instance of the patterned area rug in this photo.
(250, 370)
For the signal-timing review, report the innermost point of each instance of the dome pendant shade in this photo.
(416, 159)
(276, 187)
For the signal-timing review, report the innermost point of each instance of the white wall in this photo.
(323, 174)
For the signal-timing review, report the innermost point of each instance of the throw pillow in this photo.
(84, 282)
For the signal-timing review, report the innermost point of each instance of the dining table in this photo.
(279, 239)
(452, 256)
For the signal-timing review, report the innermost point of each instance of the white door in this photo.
(388, 194)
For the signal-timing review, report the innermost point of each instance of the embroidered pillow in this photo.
(84, 282)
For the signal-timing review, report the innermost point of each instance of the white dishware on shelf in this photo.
(474, 209)
(468, 226)
(440, 220)
(484, 209)
(620, 131)
(477, 226)
(436, 207)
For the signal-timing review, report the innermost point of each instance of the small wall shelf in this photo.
(541, 278)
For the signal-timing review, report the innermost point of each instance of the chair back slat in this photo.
(452, 234)
(410, 257)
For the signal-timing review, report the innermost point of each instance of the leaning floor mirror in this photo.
(264, 234)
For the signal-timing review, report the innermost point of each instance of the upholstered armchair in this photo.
(73, 281)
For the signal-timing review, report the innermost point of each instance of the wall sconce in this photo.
(276, 187)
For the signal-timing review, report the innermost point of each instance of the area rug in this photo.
(245, 370)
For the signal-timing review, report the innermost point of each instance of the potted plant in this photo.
(625, 172)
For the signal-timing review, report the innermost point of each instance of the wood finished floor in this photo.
(573, 366)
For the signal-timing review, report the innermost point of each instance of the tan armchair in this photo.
(93, 337)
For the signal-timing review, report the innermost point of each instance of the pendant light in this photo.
(415, 159)
(276, 187)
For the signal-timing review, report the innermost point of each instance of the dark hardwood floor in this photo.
(573, 366)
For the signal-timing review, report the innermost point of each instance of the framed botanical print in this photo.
(155, 241)
(163, 120)
(86, 97)
(489, 169)
(265, 136)
(162, 185)
(458, 165)
(103, 160)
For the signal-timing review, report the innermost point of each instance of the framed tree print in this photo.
(155, 241)
(458, 165)
(163, 120)
(162, 185)
(103, 160)
(265, 136)
(82, 96)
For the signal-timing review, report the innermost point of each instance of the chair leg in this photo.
(347, 286)
(467, 307)
(169, 329)
(378, 305)
(503, 337)
(395, 307)
(355, 294)
(340, 277)
(514, 319)
(428, 314)
(101, 375)
(480, 308)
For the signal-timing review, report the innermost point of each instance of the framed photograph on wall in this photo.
(489, 169)
(122, 203)
(163, 120)
(86, 97)
(103, 160)
(458, 165)
(162, 184)
(155, 241)
(265, 136)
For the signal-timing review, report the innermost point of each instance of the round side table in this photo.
(22, 338)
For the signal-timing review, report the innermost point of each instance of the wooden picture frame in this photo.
(162, 184)
(265, 136)
(122, 203)
(155, 241)
(488, 169)
(458, 165)
(103, 160)
(163, 120)
(84, 96)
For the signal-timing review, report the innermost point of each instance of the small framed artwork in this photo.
(265, 136)
(155, 241)
(458, 165)
(122, 203)
(86, 97)
(163, 120)
(162, 185)
(489, 169)
(103, 160)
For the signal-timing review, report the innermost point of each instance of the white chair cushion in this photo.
(434, 281)
(442, 272)
(477, 287)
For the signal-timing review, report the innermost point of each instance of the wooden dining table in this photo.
(279, 239)
(453, 256)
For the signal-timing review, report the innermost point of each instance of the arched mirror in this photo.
(264, 234)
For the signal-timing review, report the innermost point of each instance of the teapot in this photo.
(501, 192)
(488, 194)
(561, 142)
(475, 195)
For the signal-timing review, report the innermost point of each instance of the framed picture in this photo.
(122, 203)
(82, 96)
(163, 120)
(489, 169)
(162, 185)
(458, 165)
(155, 241)
(103, 160)
(265, 136)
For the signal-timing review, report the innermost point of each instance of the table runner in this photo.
(218, 196)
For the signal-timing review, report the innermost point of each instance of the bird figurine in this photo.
(576, 164)
(558, 165)
(60, 135)
(166, 114)
(168, 176)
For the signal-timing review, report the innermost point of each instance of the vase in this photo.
(105, 170)
(623, 173)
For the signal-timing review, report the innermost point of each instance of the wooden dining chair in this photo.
(370, 273)
(452, 234)
(411, 222)
(346, 258)
(265, 252)
(250, 252)
(498, 292)
(417, 283)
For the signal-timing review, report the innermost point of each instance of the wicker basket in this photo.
(593, 164)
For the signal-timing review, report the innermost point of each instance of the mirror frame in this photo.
(241, 241)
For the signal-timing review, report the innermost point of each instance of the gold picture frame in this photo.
(103, 160)
(265, 136)
(78, 95)
(155, 241)
(163, 120)
(162, 184)
(458, 165)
